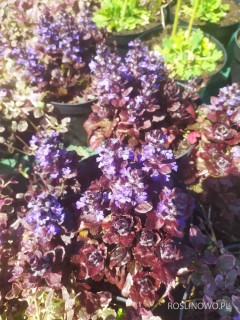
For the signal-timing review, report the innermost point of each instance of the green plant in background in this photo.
(115, 15)
(188, 53)
(188, 57)
(208, 10)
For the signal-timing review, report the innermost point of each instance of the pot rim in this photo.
(55, 103)
(74, 109)
(127, 33)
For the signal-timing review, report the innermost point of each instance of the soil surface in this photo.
(232, 16)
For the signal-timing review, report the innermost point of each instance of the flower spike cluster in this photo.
(57, 167)
(217, 130)
(213, 166)
(58, 63)
(134, 95)
(140, 215)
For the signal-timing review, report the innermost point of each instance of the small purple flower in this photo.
(113, 155)
(61, 55)
(46, 215)
(156, 158)
(53, 161)
(91, 205)
(125, 193)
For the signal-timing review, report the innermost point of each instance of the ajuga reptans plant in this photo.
(58, 63)
(135, 95)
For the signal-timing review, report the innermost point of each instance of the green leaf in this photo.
(187, 57)
(116, 17)
(10, 162)
(82, 151)
(120, 314)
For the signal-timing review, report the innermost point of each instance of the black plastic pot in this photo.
(222, 33)
(235, 67)
(124, 37)
(73, 109)
(78, 114)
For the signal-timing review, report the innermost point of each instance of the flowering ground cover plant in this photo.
(214, 159)
(110, 235)
(135, 95)
(20, 17)
(217, 130)
(213, 127)
(57, 64)
(118, 234)
(21, 107)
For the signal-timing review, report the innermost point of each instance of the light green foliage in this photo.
(188, 57)
(120, 314)
(208, 10)
(117, 15)
(82, 151)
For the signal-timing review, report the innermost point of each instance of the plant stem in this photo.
(23, 142)
(195, 7)
(175, 24)
(160, 300)
(157, 6)
(15, 148)
(37, 308)
(33, 125)
(123, 12)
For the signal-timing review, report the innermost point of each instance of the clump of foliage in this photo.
(19, 18)
(215, 276)
(57, 64)
(220, 282)
(209, 11)
(126, 15)
(10, 237)
(189, 53)
(20, 108)
(135, 95)
(22, 113)
(89, 239)
(188, 56)
(214, 158)
(217, 132)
